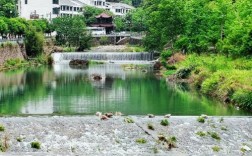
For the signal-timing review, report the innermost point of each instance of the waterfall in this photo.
(105, 56)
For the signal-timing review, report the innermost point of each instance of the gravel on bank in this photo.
(88, 135)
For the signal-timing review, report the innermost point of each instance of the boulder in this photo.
(157, 66)
(79, 64)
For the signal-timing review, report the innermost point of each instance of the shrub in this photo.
(141, 141)
(33, 42)
(183, 73)
(171, 141)
(164, 122)
(104, 40)
(35, 144)
(166, 54)
(243, 98)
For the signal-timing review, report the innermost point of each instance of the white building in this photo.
(34, 9)
(49, 9)
(118, 9)
(70, 7)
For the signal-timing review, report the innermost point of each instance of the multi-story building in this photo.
(49, 9)
(34, 9)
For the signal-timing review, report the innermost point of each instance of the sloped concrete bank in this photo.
(88, 135)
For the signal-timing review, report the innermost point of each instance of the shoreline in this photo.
(88, 135)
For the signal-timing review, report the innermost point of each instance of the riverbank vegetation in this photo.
(215, 39)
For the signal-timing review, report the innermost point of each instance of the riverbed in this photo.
(88, 135)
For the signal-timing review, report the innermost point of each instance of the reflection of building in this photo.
(104, 20)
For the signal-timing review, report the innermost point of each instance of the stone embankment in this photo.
(88, 135)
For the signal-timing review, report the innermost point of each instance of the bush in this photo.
(104, 40)
(200, 133)
(33, 42)
(166, 54)
(150, 126)
(129, 120)
(243, 98)
(164, 122)
(35, 144)
(183, 73)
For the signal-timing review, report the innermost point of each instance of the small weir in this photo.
(105, 56)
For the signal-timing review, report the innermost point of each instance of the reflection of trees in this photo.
(32, 88)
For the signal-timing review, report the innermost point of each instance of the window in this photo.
(55, 11)
(118, 10)
(74, 8)
(55, 2)
(71, 8)
(99, 3)
(26, 1)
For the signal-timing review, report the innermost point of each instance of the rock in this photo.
(151, 115)
(109, 115)
(157, 66)
(98, 113)
(118, 114)
(79, 64)
(167, 116)
(104, 117)
(204, 116)
(97, 77)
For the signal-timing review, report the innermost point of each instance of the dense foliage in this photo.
(225, 78)
(34, 42)
(8, 8)
(218, 26)
(71, 31)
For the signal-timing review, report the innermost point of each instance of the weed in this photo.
(164, 122)
(200, 133)
(141, 141)
(223, 128)
(221, 120)
(129, 120)
(155, 150)
(216, 148)
(201, 119)
(2, 128)
(171, 141)
(150, 126)
(19, 139)
(4, 145)
(35, 144)
(215, 135)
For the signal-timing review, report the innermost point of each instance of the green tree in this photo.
(3, 27)
(71, 31)
(34, 42)
(8, 8)
(165, 23)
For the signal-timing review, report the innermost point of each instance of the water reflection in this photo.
(62, 90)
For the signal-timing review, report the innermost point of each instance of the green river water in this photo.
(60, 90)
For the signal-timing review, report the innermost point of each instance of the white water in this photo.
(110, 57)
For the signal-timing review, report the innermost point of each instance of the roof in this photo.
(121, 5)
(71, 3)
(103, 15)
(102, 25)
